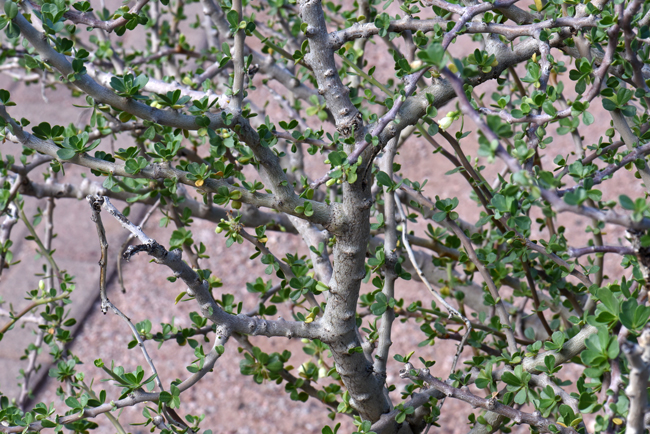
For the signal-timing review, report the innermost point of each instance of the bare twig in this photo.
(96, 205)
(238, 61)
(5, 233)
(452, 311)
(621, 250)
(128, 239)
(391, 256)
(533, 291)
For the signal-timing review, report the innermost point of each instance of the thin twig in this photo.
(96, 203)
(391, 257)
(16, 317)
(533, 291)
(128, 239)
(621, 250)
(43, 251)
(238, 61)
(450, 308)
(5, 232)
(494, 292)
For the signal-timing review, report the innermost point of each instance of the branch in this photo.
(251, 215)
(5, 232)
(625, 21)
(631, 140)
(278, 200)
(559, 261)
(490, 404)
(89, 19)
(238, 61)
(134, 398)
(391, 257)
(267, 64)
(105, 303)
(571, 348)
(312, 236)
(43, 250)
(638, 356)
(442, 91)
(161, 87)
(13, 190)
(511, 32)
(602, 174)
(408, 24)
(287, 136)
(621, 250)
(352, 229)
(101, 94)
(128, 239)
(321, 60)
(268, 159)
(467, 13)
(533, 292)
(34, 352)
(200, 289)
(551, 197)
(410, 83)
(16, 317)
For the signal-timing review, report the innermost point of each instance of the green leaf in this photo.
(141, 81)
(12, 30)
(335, 158)
(233, 19)
(609, 105)
(434, 54)
(641, 315)
(511, 379)
(548, 108)
(626, 202)
(628, 111)
(608, 299)
(11, 9)
(520, 397)
(632, 315)
(384, 179)
(65, 154)
(481, 383)
(131, 166)
(165, 397)
(72, 402)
